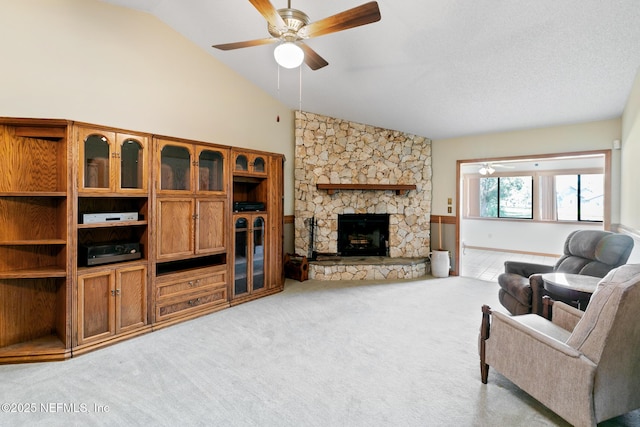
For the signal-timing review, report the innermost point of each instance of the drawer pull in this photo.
(194, 301)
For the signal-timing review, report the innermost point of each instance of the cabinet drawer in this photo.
(172, 289)
(191, 302)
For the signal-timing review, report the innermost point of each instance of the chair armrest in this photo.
(566, 316)
(535, 334)
(526, 269)
(537, 292)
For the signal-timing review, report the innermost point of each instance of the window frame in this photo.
(578, 198)
(498, 195)
(543, 195)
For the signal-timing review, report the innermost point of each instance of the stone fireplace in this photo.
(335, 151)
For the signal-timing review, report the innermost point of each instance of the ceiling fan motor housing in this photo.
(294, 19)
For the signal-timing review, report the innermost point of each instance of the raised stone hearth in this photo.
(364, 160)
(367, 268)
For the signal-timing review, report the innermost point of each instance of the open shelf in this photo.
(34, 273)
(112, 224)
(33, 242)
(171, 267)
(48, 347)
(60, 194)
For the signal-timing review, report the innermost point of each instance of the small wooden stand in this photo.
(296, 267)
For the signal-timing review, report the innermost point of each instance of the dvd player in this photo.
(106, 254)
(92, 218)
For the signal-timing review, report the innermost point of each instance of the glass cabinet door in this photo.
(132, 164)
(258, 165)
(258, 254)
(242, 163)
(175, 169)
(210, 171)
(241, 284)
(97, 151)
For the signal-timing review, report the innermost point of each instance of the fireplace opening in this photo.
(363, 234)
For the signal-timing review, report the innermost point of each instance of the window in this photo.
(580, 197)
(562, 189)
(506, 197)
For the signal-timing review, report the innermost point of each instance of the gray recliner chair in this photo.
(588, 252)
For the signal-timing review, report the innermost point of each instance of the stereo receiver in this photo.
(108, 253)
(248, 206)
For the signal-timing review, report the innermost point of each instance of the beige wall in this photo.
(90, 61)
(558, 139)
(630, 197)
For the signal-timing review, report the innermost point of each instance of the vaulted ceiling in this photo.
(437, 68)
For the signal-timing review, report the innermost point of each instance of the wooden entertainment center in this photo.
(184, 228)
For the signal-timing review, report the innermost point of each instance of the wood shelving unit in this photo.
(55, 303)
(34, 241)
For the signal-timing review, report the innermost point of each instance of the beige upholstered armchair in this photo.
(588, 252)
(584, 366)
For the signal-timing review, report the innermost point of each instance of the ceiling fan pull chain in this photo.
(278, 116)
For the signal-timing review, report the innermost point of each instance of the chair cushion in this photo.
(594, 252)
(514, 306)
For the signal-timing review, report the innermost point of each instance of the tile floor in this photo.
(487, 265)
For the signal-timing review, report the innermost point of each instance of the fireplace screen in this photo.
(363, 234)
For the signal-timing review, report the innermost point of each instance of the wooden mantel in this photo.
(398, 188)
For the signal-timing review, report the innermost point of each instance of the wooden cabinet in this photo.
(110, 294)
(190, 226)
(111, 301)
(258, 259)
(112, 161)
(191, 168)
(192, 204)
(34, 263)
(249, 253)
(249, 163)
(189, 292)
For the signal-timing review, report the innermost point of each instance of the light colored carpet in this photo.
(318, 354)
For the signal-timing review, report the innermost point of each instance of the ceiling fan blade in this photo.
(311, 58)
(360, 15)
(248, 43)
(270, 13)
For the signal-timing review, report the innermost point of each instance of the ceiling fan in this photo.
(489, 168)
(290, 27)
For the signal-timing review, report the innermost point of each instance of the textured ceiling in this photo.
(438, 68)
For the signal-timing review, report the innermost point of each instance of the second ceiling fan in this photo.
(291, 27)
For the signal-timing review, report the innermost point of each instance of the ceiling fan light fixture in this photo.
(288, 55)
(486, 170)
